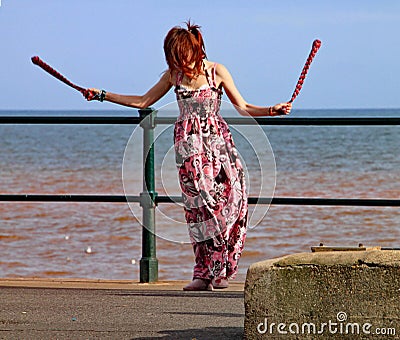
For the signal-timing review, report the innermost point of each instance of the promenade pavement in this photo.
(104, 309)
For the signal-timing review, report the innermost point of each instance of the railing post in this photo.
(148, 262)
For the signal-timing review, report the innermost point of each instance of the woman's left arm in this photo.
(225, 78)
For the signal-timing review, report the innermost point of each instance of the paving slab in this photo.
(104, 309)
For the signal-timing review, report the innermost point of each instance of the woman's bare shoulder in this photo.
(220, 69)
(169, 76)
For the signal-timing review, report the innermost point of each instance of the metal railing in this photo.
(148, 198)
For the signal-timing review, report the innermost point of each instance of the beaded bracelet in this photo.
(102, 95)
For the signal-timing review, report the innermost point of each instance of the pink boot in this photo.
(220, 283)
(199, 284)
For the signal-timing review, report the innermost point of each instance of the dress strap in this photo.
(214, 75)
(211, 80)
(179, 78)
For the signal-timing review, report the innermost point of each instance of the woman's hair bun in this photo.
(183, 47)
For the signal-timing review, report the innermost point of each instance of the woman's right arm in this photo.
(136, 101)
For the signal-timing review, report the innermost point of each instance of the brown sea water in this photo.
(51, 239)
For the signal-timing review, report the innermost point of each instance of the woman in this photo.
(210, 172)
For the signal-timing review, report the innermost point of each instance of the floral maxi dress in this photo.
(212, 180)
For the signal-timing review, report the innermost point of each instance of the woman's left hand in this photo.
(281, 109)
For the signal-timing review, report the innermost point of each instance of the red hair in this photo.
(183, 48)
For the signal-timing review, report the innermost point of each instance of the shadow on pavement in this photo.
(207, 333)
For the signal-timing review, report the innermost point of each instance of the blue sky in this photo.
(117, 45)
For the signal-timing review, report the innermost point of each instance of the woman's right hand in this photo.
(91, 94)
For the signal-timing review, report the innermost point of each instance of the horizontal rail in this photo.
(317, 121)
(73, 120)
(115, 120)
(377, 202)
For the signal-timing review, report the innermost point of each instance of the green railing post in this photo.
(148, 262)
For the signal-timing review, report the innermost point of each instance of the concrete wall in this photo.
(342, 295)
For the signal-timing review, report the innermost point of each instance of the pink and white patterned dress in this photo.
(212, 180)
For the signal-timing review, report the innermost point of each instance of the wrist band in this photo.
(270, 111)
(102, 95)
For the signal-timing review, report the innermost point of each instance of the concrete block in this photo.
(327, 295)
